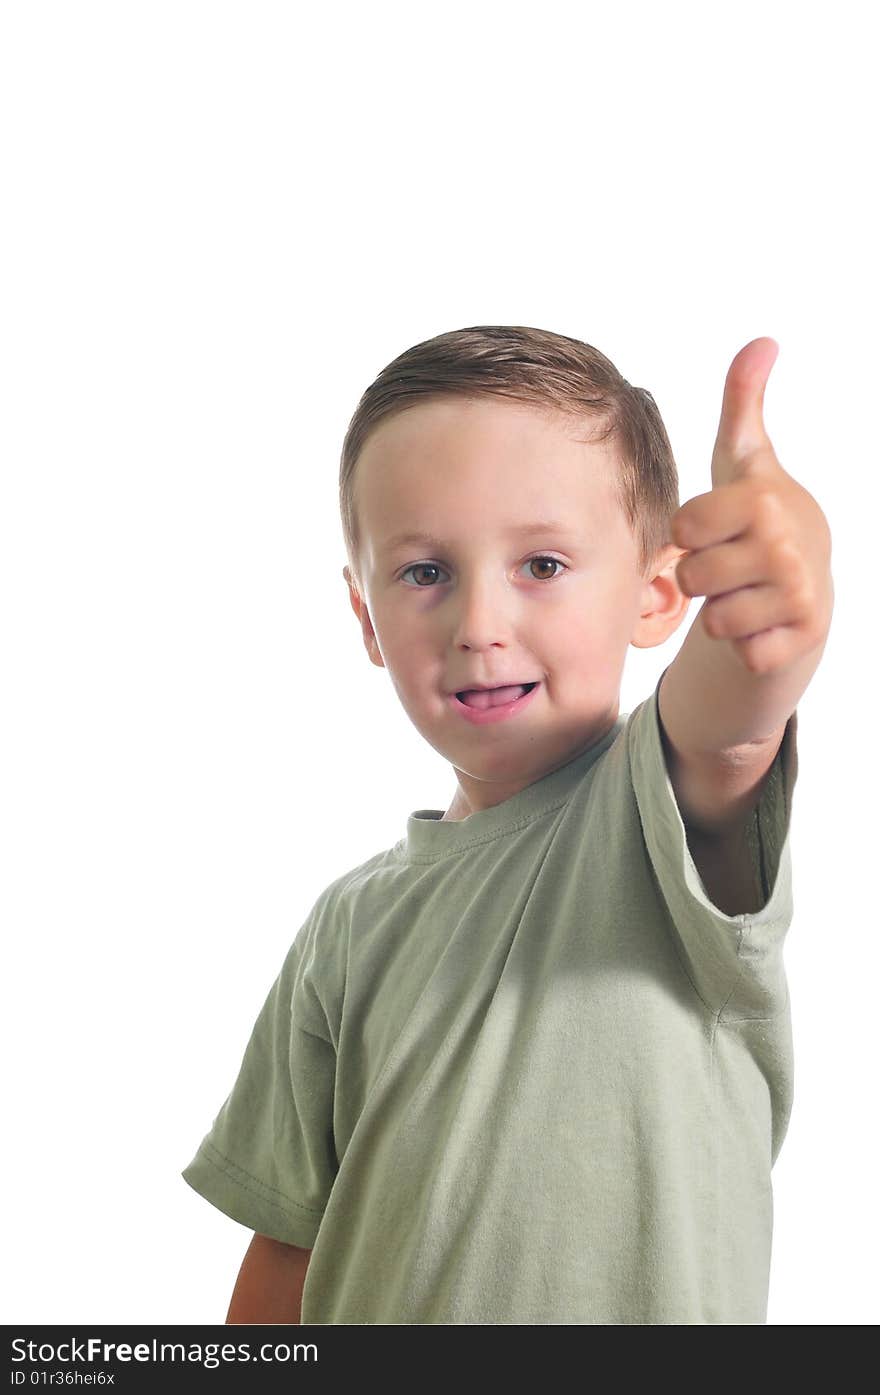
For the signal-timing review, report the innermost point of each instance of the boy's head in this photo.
(471, 439)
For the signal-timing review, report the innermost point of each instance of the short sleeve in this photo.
(269, 1160)
(735, 962)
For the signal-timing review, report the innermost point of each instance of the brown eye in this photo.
(546, 562)
(421, 567)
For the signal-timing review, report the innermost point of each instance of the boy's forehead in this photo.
(522, 463)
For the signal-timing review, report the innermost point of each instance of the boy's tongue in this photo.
(492, 697)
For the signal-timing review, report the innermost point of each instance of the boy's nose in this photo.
(483, 618)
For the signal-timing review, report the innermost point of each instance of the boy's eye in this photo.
(421, 567)
(435, 567)
(554, 562)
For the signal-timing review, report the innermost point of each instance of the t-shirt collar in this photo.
(428, 835)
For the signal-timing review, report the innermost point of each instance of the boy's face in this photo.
(481, 605)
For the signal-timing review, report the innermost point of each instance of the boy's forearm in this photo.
(270, 1283)
(723, 705)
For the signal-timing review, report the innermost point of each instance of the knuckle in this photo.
(786, 558)
(715, 622)
(767, 510)
(687, 577)
(753, 659)
(680, 528)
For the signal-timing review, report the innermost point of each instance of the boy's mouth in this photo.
(493, 697)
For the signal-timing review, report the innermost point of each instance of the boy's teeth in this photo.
(492, 697)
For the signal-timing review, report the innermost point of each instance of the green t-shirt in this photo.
(519, 1069)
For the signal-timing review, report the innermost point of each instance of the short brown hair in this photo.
(546, 371)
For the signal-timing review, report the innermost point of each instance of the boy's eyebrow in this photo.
(521, 530)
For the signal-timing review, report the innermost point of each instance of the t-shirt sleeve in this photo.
(734, 961)
(269, 1159)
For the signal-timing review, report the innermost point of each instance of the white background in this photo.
(220, 222)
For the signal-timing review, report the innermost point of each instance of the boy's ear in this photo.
(664, 605)
(359, 606)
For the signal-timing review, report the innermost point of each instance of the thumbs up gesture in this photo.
(759, 546)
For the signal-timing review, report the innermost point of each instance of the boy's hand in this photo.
(759, 545)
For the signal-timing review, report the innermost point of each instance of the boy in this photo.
(533, 1063)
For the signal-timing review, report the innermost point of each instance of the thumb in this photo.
(741, 430)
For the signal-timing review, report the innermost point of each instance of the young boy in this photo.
(533, 1064)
